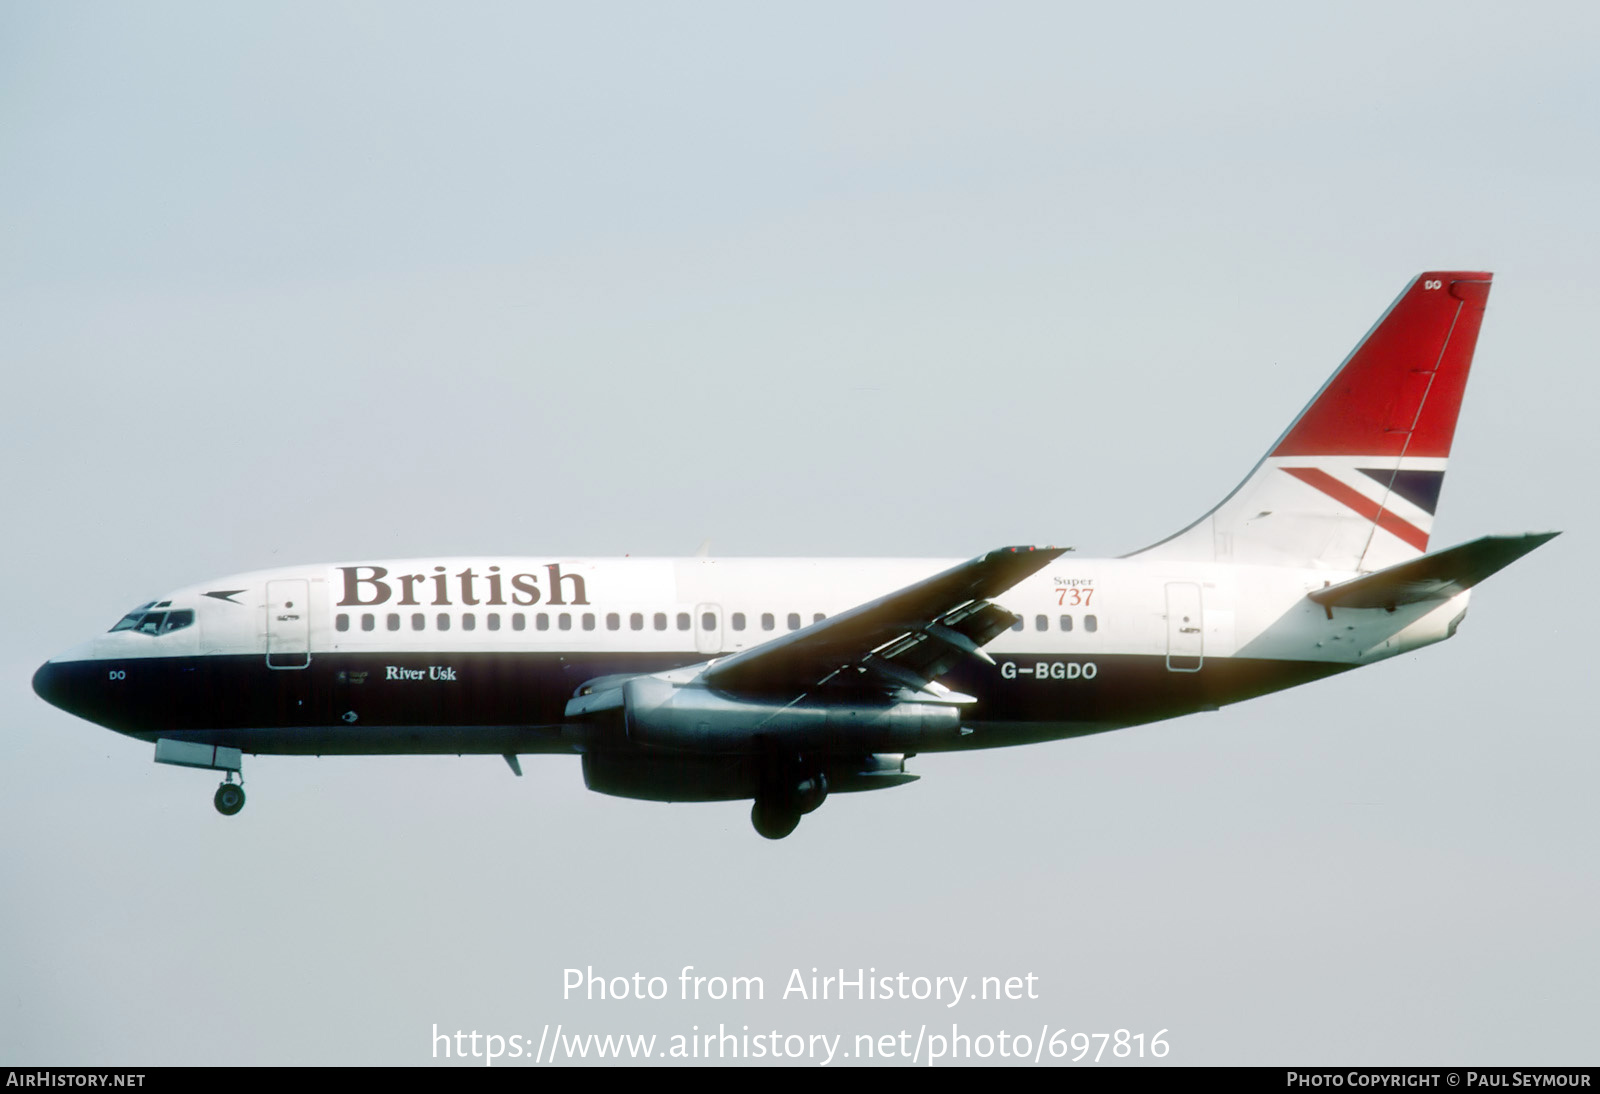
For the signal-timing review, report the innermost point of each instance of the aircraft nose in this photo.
(66, 680)
(49, 684)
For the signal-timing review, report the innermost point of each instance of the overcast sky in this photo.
(311, 282)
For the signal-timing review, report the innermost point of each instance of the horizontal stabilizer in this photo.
(1431, 577)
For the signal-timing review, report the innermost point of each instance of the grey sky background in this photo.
(311, 282)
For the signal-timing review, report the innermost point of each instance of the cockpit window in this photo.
(148, 622)
(131, 620)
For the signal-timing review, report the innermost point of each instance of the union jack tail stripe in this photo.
(1361, 504)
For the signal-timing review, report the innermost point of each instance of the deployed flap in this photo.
(907, 637)
(1431, 577)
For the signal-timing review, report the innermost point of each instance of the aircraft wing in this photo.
(905, 639)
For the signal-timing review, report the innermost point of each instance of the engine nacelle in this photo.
(692, 718)
(687, 777)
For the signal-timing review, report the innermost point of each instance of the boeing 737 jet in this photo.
(787, 680)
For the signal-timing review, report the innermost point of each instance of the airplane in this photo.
(783, 681)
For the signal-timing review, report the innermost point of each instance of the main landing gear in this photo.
(784, 800)
(229, 798)
(772, 819)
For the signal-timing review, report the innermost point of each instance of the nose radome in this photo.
(47, 683)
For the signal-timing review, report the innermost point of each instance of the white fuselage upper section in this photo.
(717, 606)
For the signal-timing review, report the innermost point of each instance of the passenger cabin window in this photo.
(738, 621)
(683, 621)
(636, 621)
(1017, 626)
(708, 621)
(588, 621)
(519, 622)
(818, 617)
(418, 621)
(767, 622)
(393, 622)
(1041, 623)
(1090, 623)
(541, 622)
(341, 622)
(494, 621)
(613, 621)
(468, 621)
(444, 621)
(794, 621)
(564, 621)
(367, 622)
(661, 621)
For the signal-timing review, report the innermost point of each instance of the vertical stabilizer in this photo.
(1354, 482)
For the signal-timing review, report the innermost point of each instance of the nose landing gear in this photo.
(229, 798)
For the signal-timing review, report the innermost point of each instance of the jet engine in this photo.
(661, 713)
(670, 737)
(686, 777)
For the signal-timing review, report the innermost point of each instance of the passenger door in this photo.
(288, 624)
(1185, 627)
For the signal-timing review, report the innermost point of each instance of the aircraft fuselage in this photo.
(482, 655)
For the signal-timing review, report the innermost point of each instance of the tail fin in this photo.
(1354, 483)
